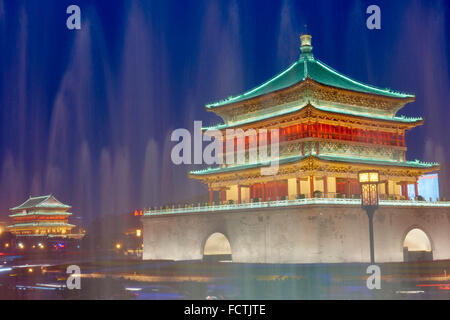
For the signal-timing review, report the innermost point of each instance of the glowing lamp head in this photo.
(369, 188)
(363, 177)
(369, 177)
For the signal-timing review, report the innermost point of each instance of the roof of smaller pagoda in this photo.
(309, 67)
(296, 158)
(42, 202)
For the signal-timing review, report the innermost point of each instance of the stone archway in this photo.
(217, 247)
(417, 246)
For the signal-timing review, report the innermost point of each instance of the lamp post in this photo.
(369, 200)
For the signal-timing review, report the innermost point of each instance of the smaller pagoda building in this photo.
(41, 216)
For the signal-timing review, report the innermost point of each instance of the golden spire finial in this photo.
(305, 46)
(305, 40)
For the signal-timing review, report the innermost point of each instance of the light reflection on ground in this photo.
(166, 280)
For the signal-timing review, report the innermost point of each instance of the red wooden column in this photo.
(211, 194)
(348, 189)
(386, 187)
(239, 194)
(325, 187)
(258, 190)
(416, 188)
(263, 190)
(311, 186)
(275, 190)
(405, 190)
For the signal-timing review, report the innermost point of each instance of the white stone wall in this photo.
(304, 234)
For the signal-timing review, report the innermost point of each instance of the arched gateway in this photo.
(217, 247)
(417, 246)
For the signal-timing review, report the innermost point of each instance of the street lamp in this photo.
(369, 200)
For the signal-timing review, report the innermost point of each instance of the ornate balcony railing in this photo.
(287, 203)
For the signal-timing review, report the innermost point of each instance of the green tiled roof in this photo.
(40, 202)
(401, 118)
(246, 166)
(305, 67)
(411, 164)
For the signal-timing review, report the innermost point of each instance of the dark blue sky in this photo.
(87, 114)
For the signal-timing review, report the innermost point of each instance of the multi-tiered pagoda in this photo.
(330, 127)
(41, 216)
(327, 128)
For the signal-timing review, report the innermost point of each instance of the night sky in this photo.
(87, 115)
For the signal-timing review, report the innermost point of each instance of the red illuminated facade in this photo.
(41, 216)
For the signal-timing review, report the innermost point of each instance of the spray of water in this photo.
(100, 139)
